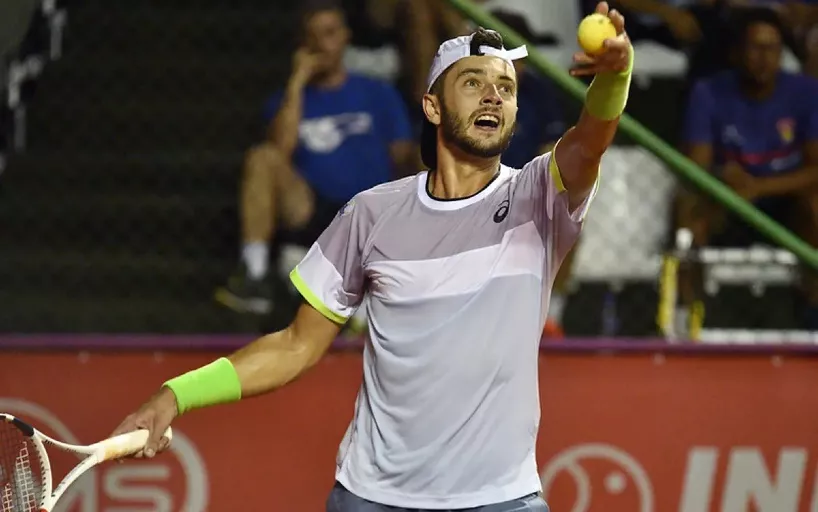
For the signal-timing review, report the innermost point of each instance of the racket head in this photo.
(25, 471)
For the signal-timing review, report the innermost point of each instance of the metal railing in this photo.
(24, 68)
(675, 161)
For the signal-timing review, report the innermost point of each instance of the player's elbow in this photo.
(593, 136)
(578, 160)
(273, 361)
(299, 348)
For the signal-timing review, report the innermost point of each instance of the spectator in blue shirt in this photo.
(756, 128)
(331, 134)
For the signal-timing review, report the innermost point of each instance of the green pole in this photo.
(644, 137)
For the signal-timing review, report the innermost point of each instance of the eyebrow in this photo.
(478, 71)
(471, 71)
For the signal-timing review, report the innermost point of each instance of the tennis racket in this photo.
(25, 471)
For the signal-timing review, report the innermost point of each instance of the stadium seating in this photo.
(126, 192)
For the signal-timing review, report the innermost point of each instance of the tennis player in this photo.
(457, 264)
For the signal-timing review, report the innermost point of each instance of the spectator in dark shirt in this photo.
(756, 127)
(701, 28)
(696, 27)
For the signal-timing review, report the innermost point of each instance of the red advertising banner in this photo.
(619, 433)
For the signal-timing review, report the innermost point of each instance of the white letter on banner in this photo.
(698, 484)
(748, 481)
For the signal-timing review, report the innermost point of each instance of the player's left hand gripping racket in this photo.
(25, 471)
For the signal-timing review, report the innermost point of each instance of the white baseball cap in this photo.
(447, 55)
(458, 48)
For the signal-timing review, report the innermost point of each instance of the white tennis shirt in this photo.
(458, 290)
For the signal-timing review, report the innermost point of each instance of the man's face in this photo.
(479, 105)
(761, 58)
(327, 35)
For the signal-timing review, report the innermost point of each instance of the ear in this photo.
(432, 109)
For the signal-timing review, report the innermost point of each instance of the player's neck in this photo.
(459, 178)
(758, 92)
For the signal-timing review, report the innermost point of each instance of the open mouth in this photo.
(487, 122)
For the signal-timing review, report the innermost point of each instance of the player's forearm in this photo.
(262, 366)
(272, 361)
(283, 129)
(579, 152)
(789, 183)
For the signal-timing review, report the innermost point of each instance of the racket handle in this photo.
(124, 445)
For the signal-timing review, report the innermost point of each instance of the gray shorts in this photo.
(341, 500)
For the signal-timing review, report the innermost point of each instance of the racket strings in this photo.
(20, 476)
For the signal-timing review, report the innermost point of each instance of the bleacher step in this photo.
(159, 314)
(181, 172)
(103, 275)
(167, 222)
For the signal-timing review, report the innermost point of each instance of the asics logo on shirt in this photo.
(502, 212)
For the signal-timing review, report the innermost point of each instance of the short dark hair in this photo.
(745, 18)
(428, 134)
(310, 8)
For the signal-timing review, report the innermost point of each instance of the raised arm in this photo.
(280, 131)
(264, 365)
(579, 152)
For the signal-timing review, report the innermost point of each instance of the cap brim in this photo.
(428, 144)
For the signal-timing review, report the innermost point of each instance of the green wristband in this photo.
(608, 93)
(216, 383)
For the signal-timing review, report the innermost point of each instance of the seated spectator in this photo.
(331, 134)
(414, 29)
(539, 125)
(801, 20)
(756, 128)
(701, 28)
(697, 27)
(671, 23)
(422, 26)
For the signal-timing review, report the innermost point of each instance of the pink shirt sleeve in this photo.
(559, 226)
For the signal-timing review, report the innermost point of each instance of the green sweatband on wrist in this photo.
(608, 93)
(215, 383)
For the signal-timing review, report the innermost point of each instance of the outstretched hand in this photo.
(615, 56)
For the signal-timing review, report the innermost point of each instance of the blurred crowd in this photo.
(745, 120)
(356, 131)
(332, 131)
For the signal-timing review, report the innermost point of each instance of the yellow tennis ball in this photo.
(593, 30)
